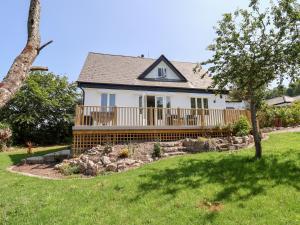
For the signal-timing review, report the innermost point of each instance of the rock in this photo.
(188, 142)
(224, 146)
(49, 158)
(127, 161)
(121, 166)
(170, 144)
(231, 147)
(35, 160)
(137, 164)
(95, 158)
(84, 158)
(112, 167)
(105, 160)
(58, 166)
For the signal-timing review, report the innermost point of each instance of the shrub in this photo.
(156, 150)
(241, 127)
(202, 139)
(67, 169)
(124, 153)
(279, 116)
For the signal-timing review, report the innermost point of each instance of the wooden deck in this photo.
(95, 125)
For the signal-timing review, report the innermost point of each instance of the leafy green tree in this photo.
(43, 110)
(293, 88)
(253, 48)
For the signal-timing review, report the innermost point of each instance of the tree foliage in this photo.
(292, 90)
(43, 110)
(254, 47)
(270, 116)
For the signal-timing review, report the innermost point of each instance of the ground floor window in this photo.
(200, 103)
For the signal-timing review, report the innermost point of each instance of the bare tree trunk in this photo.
(19, 69)
(255, 130)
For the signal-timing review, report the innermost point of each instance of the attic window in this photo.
(162, 72)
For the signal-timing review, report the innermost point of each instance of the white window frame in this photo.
(163, 72)
(107, 99)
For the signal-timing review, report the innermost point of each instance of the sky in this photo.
(181, 30)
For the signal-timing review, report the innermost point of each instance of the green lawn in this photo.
(170, 191)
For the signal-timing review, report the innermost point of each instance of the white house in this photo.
(125, 81)
(135, 98)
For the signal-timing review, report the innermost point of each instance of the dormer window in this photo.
(162, 72)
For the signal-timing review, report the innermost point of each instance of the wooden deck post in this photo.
(178, 116)
(202, 118)
(115, 113)
(225, 117)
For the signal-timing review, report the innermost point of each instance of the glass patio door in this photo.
(155, 106)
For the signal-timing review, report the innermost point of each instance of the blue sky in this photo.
(179, 29)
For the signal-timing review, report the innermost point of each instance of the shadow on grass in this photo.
(236, 177)
(16, 157)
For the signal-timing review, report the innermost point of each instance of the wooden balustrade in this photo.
(158, 117)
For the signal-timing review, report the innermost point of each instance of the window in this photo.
(205, 103)
(108, 100)
(193, 103)
(200, 103)
(141, 104)
(162, 72)
(104, 100)
(168, 102)
(159, 106)
(112, 100)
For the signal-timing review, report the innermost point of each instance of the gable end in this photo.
(162, 58)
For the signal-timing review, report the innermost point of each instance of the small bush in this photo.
(67, 169)
(156, 150)
(241, 127)
(124, 153)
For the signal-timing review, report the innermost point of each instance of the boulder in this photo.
(112, 167)
(121, 166)
(35, 160)
(105, 160)
(49, 158)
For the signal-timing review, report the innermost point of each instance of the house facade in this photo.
(124, 81)
(137, 98)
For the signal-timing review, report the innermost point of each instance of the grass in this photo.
(171, 191)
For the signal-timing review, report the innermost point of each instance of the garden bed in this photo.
(118, 158)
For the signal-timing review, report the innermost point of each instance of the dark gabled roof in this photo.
(170, 65)
(125, 70)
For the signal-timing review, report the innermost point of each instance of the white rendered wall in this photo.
(129, 98)
(236, 105)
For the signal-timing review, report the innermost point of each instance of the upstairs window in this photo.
(162, 72)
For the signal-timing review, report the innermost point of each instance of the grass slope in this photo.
(166, 192)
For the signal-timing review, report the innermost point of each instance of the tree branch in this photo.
(44, 45)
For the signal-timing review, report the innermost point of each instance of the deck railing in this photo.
(140, 117)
